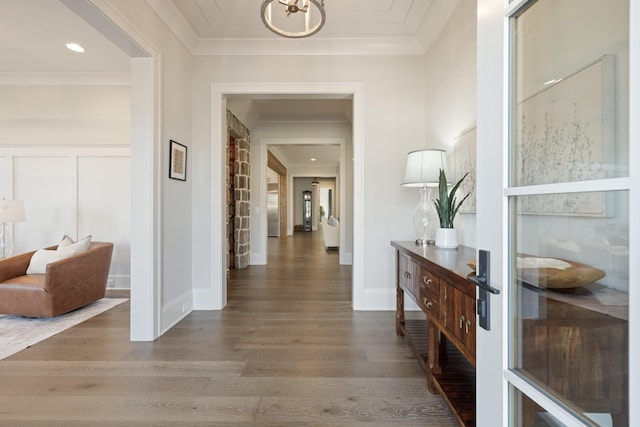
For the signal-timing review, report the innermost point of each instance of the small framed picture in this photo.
(177, 161)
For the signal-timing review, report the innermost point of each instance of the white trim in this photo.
(491, 388)
(542, 399)
(217, 159)
(115, 27)
(176, 310)
(66, 79)
(515, 6)
(358, 289)
(168, 13)
(146, 179)
(119, 281)
(613, 184)
(145, 201)
(634, 209)
(313, 46)
(69, 151)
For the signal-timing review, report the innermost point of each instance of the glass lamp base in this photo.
(425, 219)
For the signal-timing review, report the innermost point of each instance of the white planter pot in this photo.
(446, 238)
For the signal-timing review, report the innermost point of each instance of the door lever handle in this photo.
(482, 279)
(481, 282)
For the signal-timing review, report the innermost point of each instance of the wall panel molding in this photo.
(75, 191)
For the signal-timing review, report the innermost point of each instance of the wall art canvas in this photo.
(464, 160)
(565, 134)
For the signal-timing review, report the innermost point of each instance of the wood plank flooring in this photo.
(286, 351)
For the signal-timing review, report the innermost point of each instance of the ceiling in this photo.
(33, 34)
(301, 156)
(353, 27)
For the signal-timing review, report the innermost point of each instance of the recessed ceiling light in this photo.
(313, 159)
(75, 47)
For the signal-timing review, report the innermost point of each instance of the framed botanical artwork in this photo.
(565, 133)
(177, 161)
(464, 161)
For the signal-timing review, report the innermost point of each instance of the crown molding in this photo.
(66, 79)
(313, 46)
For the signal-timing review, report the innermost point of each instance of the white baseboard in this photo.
(119, 282)
(257, 258)
(380, 299)
(346, 258)
(176, 310)
(205, 299)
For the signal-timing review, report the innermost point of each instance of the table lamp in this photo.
(10, 211)
(422, 171)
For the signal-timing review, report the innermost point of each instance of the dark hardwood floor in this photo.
(286, 351)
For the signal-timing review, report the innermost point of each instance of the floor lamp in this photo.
(10, 211)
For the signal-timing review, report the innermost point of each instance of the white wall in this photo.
(57, 115)
(64, 151)
(451, 96)
(394, 112)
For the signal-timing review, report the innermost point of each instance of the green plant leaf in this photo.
(446, 204)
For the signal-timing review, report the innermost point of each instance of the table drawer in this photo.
(428, 301)
(430, 281)
(406, 272)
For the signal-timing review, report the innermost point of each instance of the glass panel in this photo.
(529, 414)
(570, 111)
(571, 295)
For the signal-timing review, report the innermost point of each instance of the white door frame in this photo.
(146, 181)
(219, 92)
(491, 209)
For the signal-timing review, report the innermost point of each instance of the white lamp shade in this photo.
(423, 168)
(11, 211)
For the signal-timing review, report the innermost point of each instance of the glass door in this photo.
(568, 198)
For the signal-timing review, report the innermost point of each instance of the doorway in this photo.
(280, 174)
(352, 217)
(231, 203)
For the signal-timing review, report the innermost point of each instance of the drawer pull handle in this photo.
(461, 321)
(426, 302)
(426, 280)
(467, 326)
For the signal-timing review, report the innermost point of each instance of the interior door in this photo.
(557, 85)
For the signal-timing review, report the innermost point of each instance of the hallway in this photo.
(286, 351)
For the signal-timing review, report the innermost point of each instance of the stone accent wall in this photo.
(242, 191)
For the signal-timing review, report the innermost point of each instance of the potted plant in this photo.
(447, 207)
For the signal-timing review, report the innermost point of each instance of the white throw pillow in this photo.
(42, 257)
(67, 244)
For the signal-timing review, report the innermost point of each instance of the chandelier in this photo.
(290, 23)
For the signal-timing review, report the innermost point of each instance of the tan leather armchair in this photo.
(68, 284)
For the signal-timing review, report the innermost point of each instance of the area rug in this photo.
(18, 333)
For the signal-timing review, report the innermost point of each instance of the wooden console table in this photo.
(445, 342)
